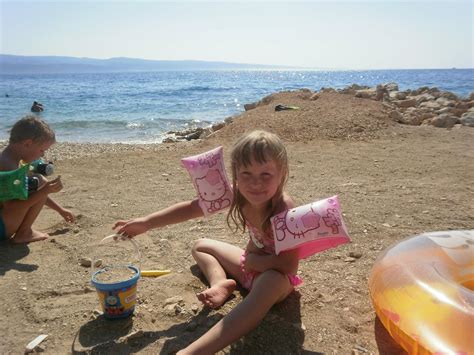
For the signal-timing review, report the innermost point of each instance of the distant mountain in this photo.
(15, 64)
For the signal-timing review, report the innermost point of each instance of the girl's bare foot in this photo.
(32, 236)
(216, 295)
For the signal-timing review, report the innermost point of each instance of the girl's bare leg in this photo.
(216, 259)
(269, 288)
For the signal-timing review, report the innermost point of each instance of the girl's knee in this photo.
(274, 278)
(275, 275)
(200, 245)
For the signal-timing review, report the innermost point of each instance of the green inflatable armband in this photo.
(14, 184)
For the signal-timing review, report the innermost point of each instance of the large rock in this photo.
(380, 92)
(405, 103)
(449, 95)
(366, 94)
(398, 95)
(464, 105)
(305, 94)
(423, 98)
(250, 106)
(265, 101)
(396, 116)
(352, 89)
(443, 101)
(467, 119)
(452, 110)
(390, 86)
(444, 120)
(431, 105)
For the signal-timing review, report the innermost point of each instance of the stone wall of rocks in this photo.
(423, 106)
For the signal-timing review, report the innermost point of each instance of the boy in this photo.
(30, 138)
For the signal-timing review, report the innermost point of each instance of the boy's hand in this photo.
(67, 215)
(54, 185)
(131, 228)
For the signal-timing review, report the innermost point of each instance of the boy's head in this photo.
(33, 135)
(31, 127)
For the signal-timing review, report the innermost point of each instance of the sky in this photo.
(314, 34)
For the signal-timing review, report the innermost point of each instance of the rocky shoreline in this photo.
(423, 106)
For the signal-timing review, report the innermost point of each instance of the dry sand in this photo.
(393, 181)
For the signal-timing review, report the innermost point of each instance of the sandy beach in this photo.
(393, 181)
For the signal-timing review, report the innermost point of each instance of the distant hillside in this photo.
(14, 64)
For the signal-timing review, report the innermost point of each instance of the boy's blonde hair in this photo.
(31, 127)
(261, 147)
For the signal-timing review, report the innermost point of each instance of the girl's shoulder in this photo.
(286, 203)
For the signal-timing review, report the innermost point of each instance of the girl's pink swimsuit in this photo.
(267, 244)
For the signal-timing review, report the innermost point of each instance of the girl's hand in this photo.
(251, 248)
(250, 259)
(67, 215)
(131, 228)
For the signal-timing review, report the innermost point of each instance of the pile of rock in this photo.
(194, 133)
(421, 106)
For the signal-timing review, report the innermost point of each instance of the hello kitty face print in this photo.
(209, 178)
(311, 228)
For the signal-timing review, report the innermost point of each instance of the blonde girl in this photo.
(259, 174)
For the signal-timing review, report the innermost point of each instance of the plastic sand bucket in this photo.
(116, 285)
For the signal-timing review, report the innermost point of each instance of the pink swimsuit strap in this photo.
(261, 240)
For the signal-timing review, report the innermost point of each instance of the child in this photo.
(30, 138)
(259, 173)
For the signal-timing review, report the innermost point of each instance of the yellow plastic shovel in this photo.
(154, 273)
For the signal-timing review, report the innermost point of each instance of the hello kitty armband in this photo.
(209, 178)
(311, 228)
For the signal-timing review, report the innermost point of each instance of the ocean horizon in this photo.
(141, 107)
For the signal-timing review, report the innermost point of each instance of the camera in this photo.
(33, 183)
(45, 169)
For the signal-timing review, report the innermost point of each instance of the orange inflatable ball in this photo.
(422, 289)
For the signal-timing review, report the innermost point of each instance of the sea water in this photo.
(141, 107)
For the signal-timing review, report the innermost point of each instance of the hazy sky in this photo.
(323, 34)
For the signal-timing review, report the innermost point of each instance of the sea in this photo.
(142, 107)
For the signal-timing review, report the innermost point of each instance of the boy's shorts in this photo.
(2, 228)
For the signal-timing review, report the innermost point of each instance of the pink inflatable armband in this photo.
(311, 228)
(209, 178)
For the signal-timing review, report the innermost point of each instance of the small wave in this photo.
(89, 124)
(135, 125)
(195, 89)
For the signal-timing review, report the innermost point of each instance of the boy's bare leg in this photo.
(269, 288)
(215, 258)
(19, 223)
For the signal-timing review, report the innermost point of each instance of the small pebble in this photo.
(86, 262)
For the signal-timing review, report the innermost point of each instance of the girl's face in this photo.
(258, 183)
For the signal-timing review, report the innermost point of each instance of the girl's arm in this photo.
(179, 212)
(286, 262)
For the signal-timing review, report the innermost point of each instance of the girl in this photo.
(259, 174)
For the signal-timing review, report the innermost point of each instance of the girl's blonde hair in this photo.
(261, 147)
